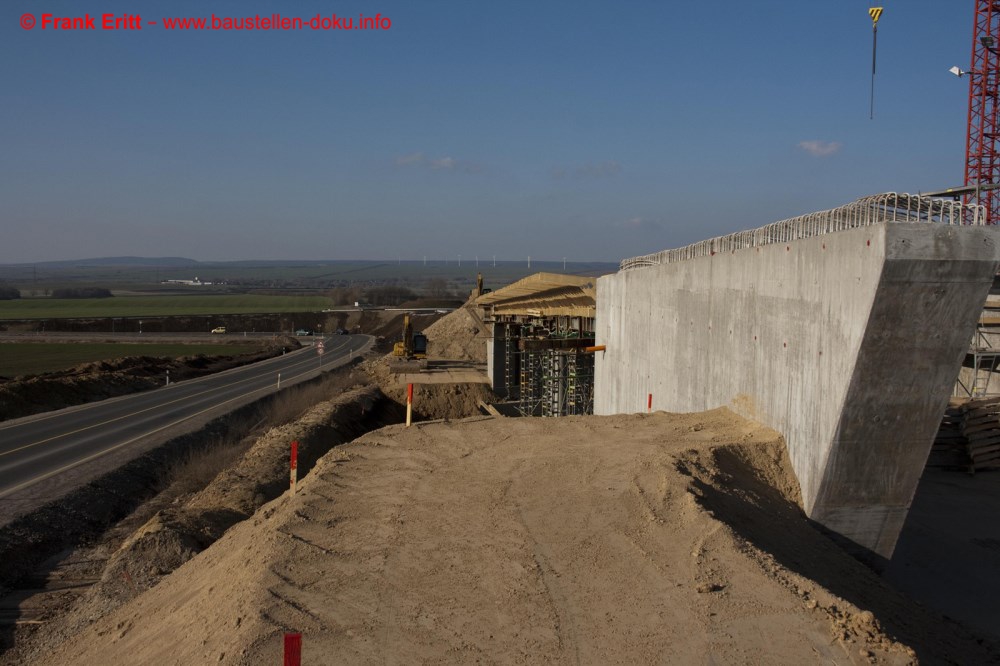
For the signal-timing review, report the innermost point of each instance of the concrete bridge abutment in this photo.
(848, 343)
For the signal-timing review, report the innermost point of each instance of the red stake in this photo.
(295, 465)
(649, 403)
(293, 649)
(409, 404)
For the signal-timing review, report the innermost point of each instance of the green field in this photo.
(30, 358)
(33, 279)
(153, 306)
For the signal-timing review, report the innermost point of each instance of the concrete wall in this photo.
(847, 343)
(496, 360)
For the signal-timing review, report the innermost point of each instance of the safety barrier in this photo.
(875, 209)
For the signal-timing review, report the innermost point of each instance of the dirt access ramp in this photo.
(624, 539)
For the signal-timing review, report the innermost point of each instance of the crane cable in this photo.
(875, 13)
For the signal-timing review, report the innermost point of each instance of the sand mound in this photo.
(455, 337)
(430, 401)
(626, 539)
(176, 534)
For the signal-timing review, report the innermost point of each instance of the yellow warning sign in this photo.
(875, 13)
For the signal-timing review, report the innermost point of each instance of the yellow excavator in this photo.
(414, 345)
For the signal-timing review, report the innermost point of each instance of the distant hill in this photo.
(116, 261)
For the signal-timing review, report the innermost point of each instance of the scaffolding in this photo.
(542, 348)
(512, 364)
(580, 384)
(568, 383)
(981, 365)
(530, 388)
(548, 375)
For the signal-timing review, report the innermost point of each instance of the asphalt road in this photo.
(36, 452)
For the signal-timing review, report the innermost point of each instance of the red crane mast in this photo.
(982, 166)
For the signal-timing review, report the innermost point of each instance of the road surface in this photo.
(44, 456)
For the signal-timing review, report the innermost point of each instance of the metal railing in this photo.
(875, 209)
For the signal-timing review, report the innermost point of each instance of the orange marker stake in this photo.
(295, 465)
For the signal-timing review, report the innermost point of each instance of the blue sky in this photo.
(590, 130)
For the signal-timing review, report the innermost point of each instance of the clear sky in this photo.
(590, 130)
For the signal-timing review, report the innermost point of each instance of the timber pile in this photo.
(951, 448)
(981, 427)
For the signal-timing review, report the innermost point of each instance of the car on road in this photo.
(219, 329)
(303, 331)
(342, 331)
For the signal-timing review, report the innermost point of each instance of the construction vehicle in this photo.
(480, 289)
(413, 345)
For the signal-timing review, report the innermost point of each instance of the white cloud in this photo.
(413, 158)
(419, 160)
(588, 170)
(820, 148)
(600, 170)
(444, 163)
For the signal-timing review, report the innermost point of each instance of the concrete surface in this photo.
(496, 360)
(847, 343)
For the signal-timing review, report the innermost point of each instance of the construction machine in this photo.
(414, 345)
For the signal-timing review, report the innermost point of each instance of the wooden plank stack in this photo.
(981, 427)
(951, 448)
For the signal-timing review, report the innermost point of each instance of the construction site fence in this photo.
(867, 211)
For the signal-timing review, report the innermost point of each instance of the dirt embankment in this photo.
(455, 337)
(177, 533)
(162, 534)
(629, 539)
(91, 382)
(141, 555)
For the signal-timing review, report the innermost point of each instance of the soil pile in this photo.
(625, 539)
(430, 401)
(388, 326)
(455, 337)
(176, 534)
(459, 336)
(91, 382)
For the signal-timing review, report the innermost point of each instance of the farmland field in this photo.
(29, 358)
(151, 306)
(34, 279)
